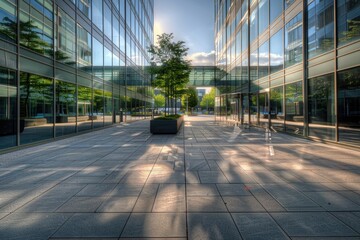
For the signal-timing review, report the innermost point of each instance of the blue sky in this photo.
(191, 21)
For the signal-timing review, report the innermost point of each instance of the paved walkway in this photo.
(207, 182)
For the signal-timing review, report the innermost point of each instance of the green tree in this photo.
(169, 67)
(208, 100)
(159, 101)
(190, 99)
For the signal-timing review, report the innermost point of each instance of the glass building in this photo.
(293, 65)
(68, 66)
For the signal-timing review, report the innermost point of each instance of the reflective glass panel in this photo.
(98, 58)
(36, 26)
(320, 27)
(321, 100)
(264, 108)
(85, 7)
(8, 23)
(36, 107)
(97, 13)
(264, 59)
(65, 108)
(108, 105)
(263, 15)
(277, 107)
(348, 21)
(293, 41)
(253, 25)
(294, 108)
(349, 106)
(65, 41)
(107, 21)
(276, 52)
(84, 119)
(84, 49)
(244, 36)
(8, 109)
(98, 113)
(276, 8)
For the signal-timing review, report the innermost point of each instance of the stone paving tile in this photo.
(212, 177)
(212, 226)
(31, 225)
(258, 226)
(117, 204)
(312, 224)
(205, 204)
(350, 219)
(233, 190)
(201, 190)
(86, 225)
(243, 204)
(289, 197)
(265, 199)
(81, 204)
(333, 201)
(126, 190)
(155, 225)
(96, 190)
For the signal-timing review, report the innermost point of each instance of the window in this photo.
(8, 21)
(276, 8)
(65, 108)
(107, 21)
(294, 102)
(253, 25)
(97, 14)
(98, 58)
(264, 59)
(320, 27)
(36, 26)
(244, 36)
(85, 7)
(321, 100)
(115, 34)
(65, 44)
(293, 41)
(348, 21)
(8, 109)
(263, 15)
(277, 107)
(349, 105)
(254, 65)
(276, 52)
(36, 107)
(84, 106)
(84, 47)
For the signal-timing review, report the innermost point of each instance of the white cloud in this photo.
(202, 58)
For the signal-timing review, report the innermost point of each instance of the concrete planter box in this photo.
(158, 126)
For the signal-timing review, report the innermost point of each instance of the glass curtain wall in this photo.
(72, 66)
(307, 90)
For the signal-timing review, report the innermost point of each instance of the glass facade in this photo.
(297, 69)
(64, 67)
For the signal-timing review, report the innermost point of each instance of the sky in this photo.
(191, 21)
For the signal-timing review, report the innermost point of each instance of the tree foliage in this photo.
(190, 99)
(159, 101)
(208, 100)
(169, 67)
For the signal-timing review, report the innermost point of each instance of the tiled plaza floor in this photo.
(207, 182)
